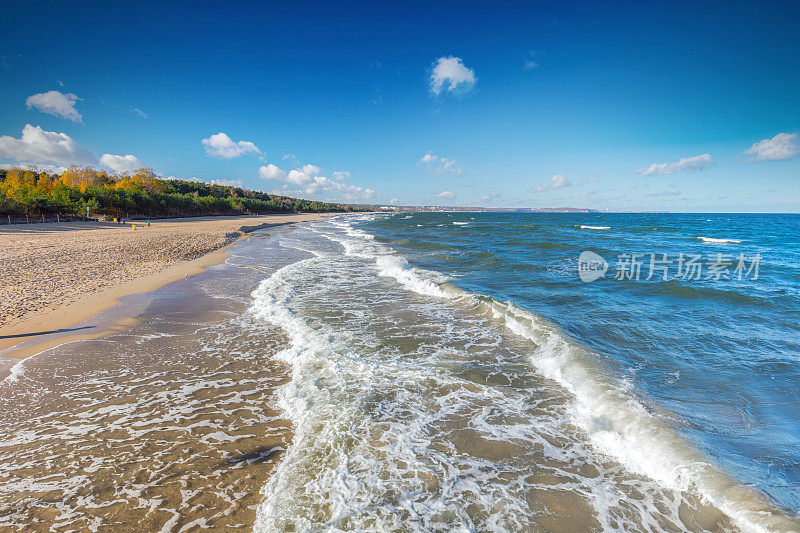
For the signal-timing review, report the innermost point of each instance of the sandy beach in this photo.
(168, 420)
(53, 276)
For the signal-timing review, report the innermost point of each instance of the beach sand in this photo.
(168, 419)
(53, 276)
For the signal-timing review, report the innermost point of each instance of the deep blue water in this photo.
(719, 359)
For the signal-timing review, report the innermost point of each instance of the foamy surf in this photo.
(595, 227)
(389, 466)
(718, 241)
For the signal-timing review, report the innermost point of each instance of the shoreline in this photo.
(61, 319)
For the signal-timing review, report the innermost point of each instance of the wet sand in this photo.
(168, 423)
(53, 276)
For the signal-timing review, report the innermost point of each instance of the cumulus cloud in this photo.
(559, 181)
(298, 177)
(55, 103)
(686, 164)
(271, 172)
(491, 197)
(309, 180)
(451, 76)
(348, 192)
(312, 170)
(782, 146)
(222, 146)
(40, 167)
(447, 195)
(121, 163)
(228, 183)
(37, 146)
(441, 165)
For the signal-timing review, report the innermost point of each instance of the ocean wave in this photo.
(15, 372)
(718, 241)
(614, 421)
(622, 427)
(595, 227)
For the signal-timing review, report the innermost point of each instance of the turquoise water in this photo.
(716, 359)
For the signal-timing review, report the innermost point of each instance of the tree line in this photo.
(30, 193)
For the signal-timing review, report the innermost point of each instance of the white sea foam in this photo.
(615, 423)
(595, 227)
(460, 223)
(718, 241)
(15, 372)
(366, 451)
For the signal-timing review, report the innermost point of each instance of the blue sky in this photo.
(643, 106)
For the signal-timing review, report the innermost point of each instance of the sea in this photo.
(435, 372)
(452, 371)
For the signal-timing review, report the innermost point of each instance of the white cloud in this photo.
(440, 165)
(271, 172)
(195, 179)
(393, 200)
(298, 177)
(447, 194)
(308, 180)
(346, 191)
(137, 111)
(56, 103)
(37, 146)
(228, 183)
(530, 60)
(450, 75)
(491, 197)
(559, 181)
(222, 146)
(121, 163)
(686, 164)
(52, 169)
(312, 170)
(782, 146)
